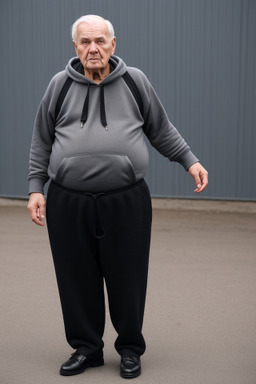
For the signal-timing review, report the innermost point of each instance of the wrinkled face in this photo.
(94, 46)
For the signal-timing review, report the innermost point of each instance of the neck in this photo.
(97, 75)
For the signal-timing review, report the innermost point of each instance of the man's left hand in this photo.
(200, 175)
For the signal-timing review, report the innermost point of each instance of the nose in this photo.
(93, 47)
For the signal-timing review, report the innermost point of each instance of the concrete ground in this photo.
(200, 319)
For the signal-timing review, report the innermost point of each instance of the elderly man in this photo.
(89, 139)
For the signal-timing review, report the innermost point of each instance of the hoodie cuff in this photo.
(187, 159)
(36, 185)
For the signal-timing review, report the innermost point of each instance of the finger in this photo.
(37, 213)
(36, 217)
(203, 182)
(197, 182)
(41, 212)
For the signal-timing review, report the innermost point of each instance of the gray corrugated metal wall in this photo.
(200, 55)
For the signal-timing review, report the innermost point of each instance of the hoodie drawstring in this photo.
(102, 108)
(85, 108)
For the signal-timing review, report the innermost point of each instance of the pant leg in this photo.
(78, 273)
(124, 255)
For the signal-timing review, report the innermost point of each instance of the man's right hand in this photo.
(36, 207)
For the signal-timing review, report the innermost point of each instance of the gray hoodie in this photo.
(97, 142)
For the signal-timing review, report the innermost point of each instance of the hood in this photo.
(119, 68)
(74, 70)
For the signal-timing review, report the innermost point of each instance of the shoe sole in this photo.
(91, 365)
(130, 375)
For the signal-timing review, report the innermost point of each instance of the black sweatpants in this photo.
(97, 237)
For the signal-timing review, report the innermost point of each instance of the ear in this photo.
(75, 46)
(113, 45)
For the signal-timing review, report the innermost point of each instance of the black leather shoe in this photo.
(130, 367)
(78, 363)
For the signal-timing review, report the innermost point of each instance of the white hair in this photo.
(91, 19)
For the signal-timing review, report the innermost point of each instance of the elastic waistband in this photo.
(97, 194)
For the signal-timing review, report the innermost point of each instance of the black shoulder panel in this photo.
(134, 89)
(62, 95)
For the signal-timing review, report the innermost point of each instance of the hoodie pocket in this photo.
(96, 173)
